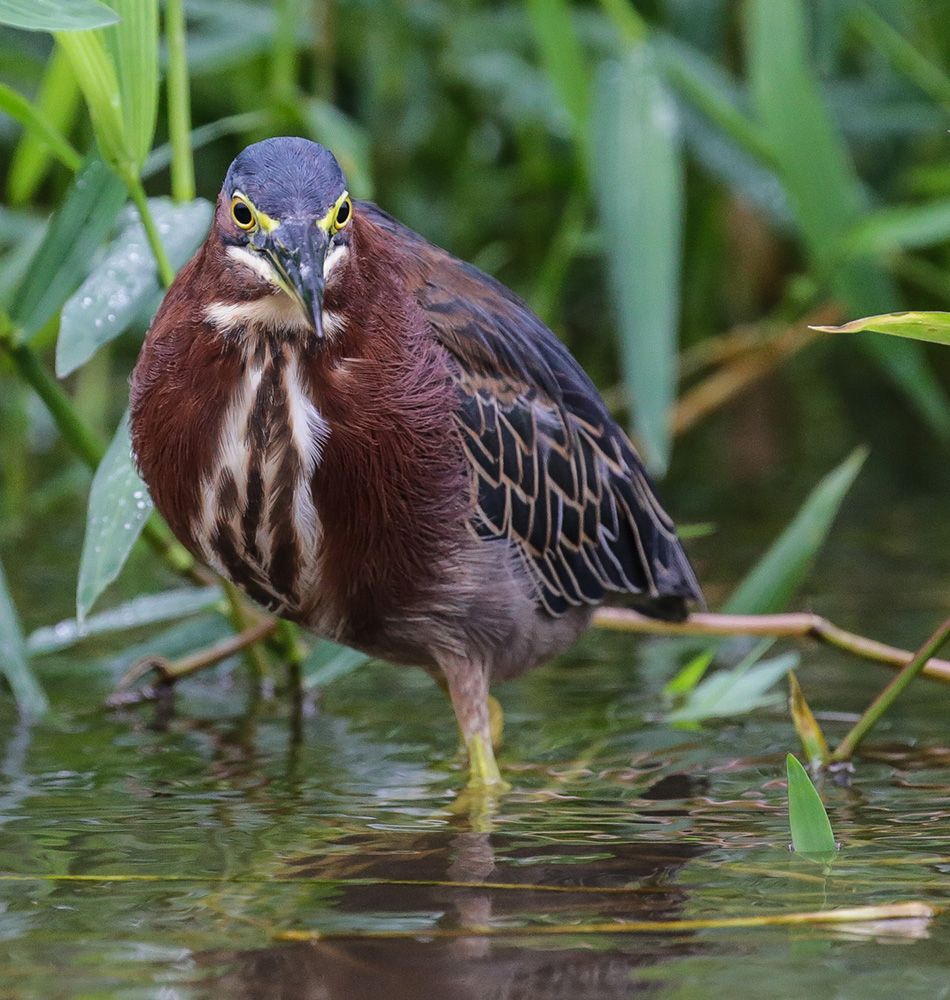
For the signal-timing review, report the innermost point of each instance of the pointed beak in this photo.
(297, 250)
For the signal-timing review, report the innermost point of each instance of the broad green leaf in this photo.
(119, 505)
(328, 661)
(812, 836)
(96, 74)
(133, 45)
(144, 610)
(779, 573)
(932, 327)
(737, 691)
(564, 60)
(126, 279)
(806, 725)
(38, 125)
(57, 100)
(640, 187)
(56, 15)
(13, 662)
(75, 232)
(349, 141)
(812, 159)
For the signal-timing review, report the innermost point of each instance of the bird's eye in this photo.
(343, 214)
(241, 213)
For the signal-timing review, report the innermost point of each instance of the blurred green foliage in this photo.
(678, 187)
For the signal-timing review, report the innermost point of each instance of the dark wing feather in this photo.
(553, 472)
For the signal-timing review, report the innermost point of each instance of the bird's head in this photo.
(284, 217)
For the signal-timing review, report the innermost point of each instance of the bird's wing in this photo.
(552, 471)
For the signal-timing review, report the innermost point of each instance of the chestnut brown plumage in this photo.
(380, 442)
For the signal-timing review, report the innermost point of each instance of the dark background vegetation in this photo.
(764, 164)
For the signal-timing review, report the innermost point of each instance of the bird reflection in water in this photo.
(512, 881)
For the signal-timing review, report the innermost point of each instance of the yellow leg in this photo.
(482, 766)
(496, 722)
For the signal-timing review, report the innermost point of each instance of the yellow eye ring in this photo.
(343, 215)
(242, 213)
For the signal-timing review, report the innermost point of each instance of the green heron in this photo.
(380, 442)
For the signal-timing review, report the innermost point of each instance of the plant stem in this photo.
(324, 49)
(888, 696)
(802, 624)
(90, 448)
(284, 54)
(137, 193)
(238, 613)
(179, 106)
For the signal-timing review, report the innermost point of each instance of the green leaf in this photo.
(56, 15)
(737, 691)
(126, 280)
(690, 675)
(565, 63)
(75, 232)
(119, 506)
(57, 101)
(932, 327)
(903, 56)
(806, 725)
(779, 573)
(812, 159)
(328, 661)
(899, 227)
(350, 143)
(812, 836)
(144, 610)
(133, 45)
(37, 124)
(13, 663)
(640, 186)
(96, 74)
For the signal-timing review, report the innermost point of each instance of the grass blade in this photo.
(133, 45)
(126, 280)
(119, 505)
(565, 63)
(812, 836)
(812, 159)
(75, 232)
(640, 185)
(780, 571)
(56, 15)
(57, 101)
(13, 663)
(932, 327)
(38, 126)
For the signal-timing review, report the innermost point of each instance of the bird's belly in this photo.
(257, 523)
